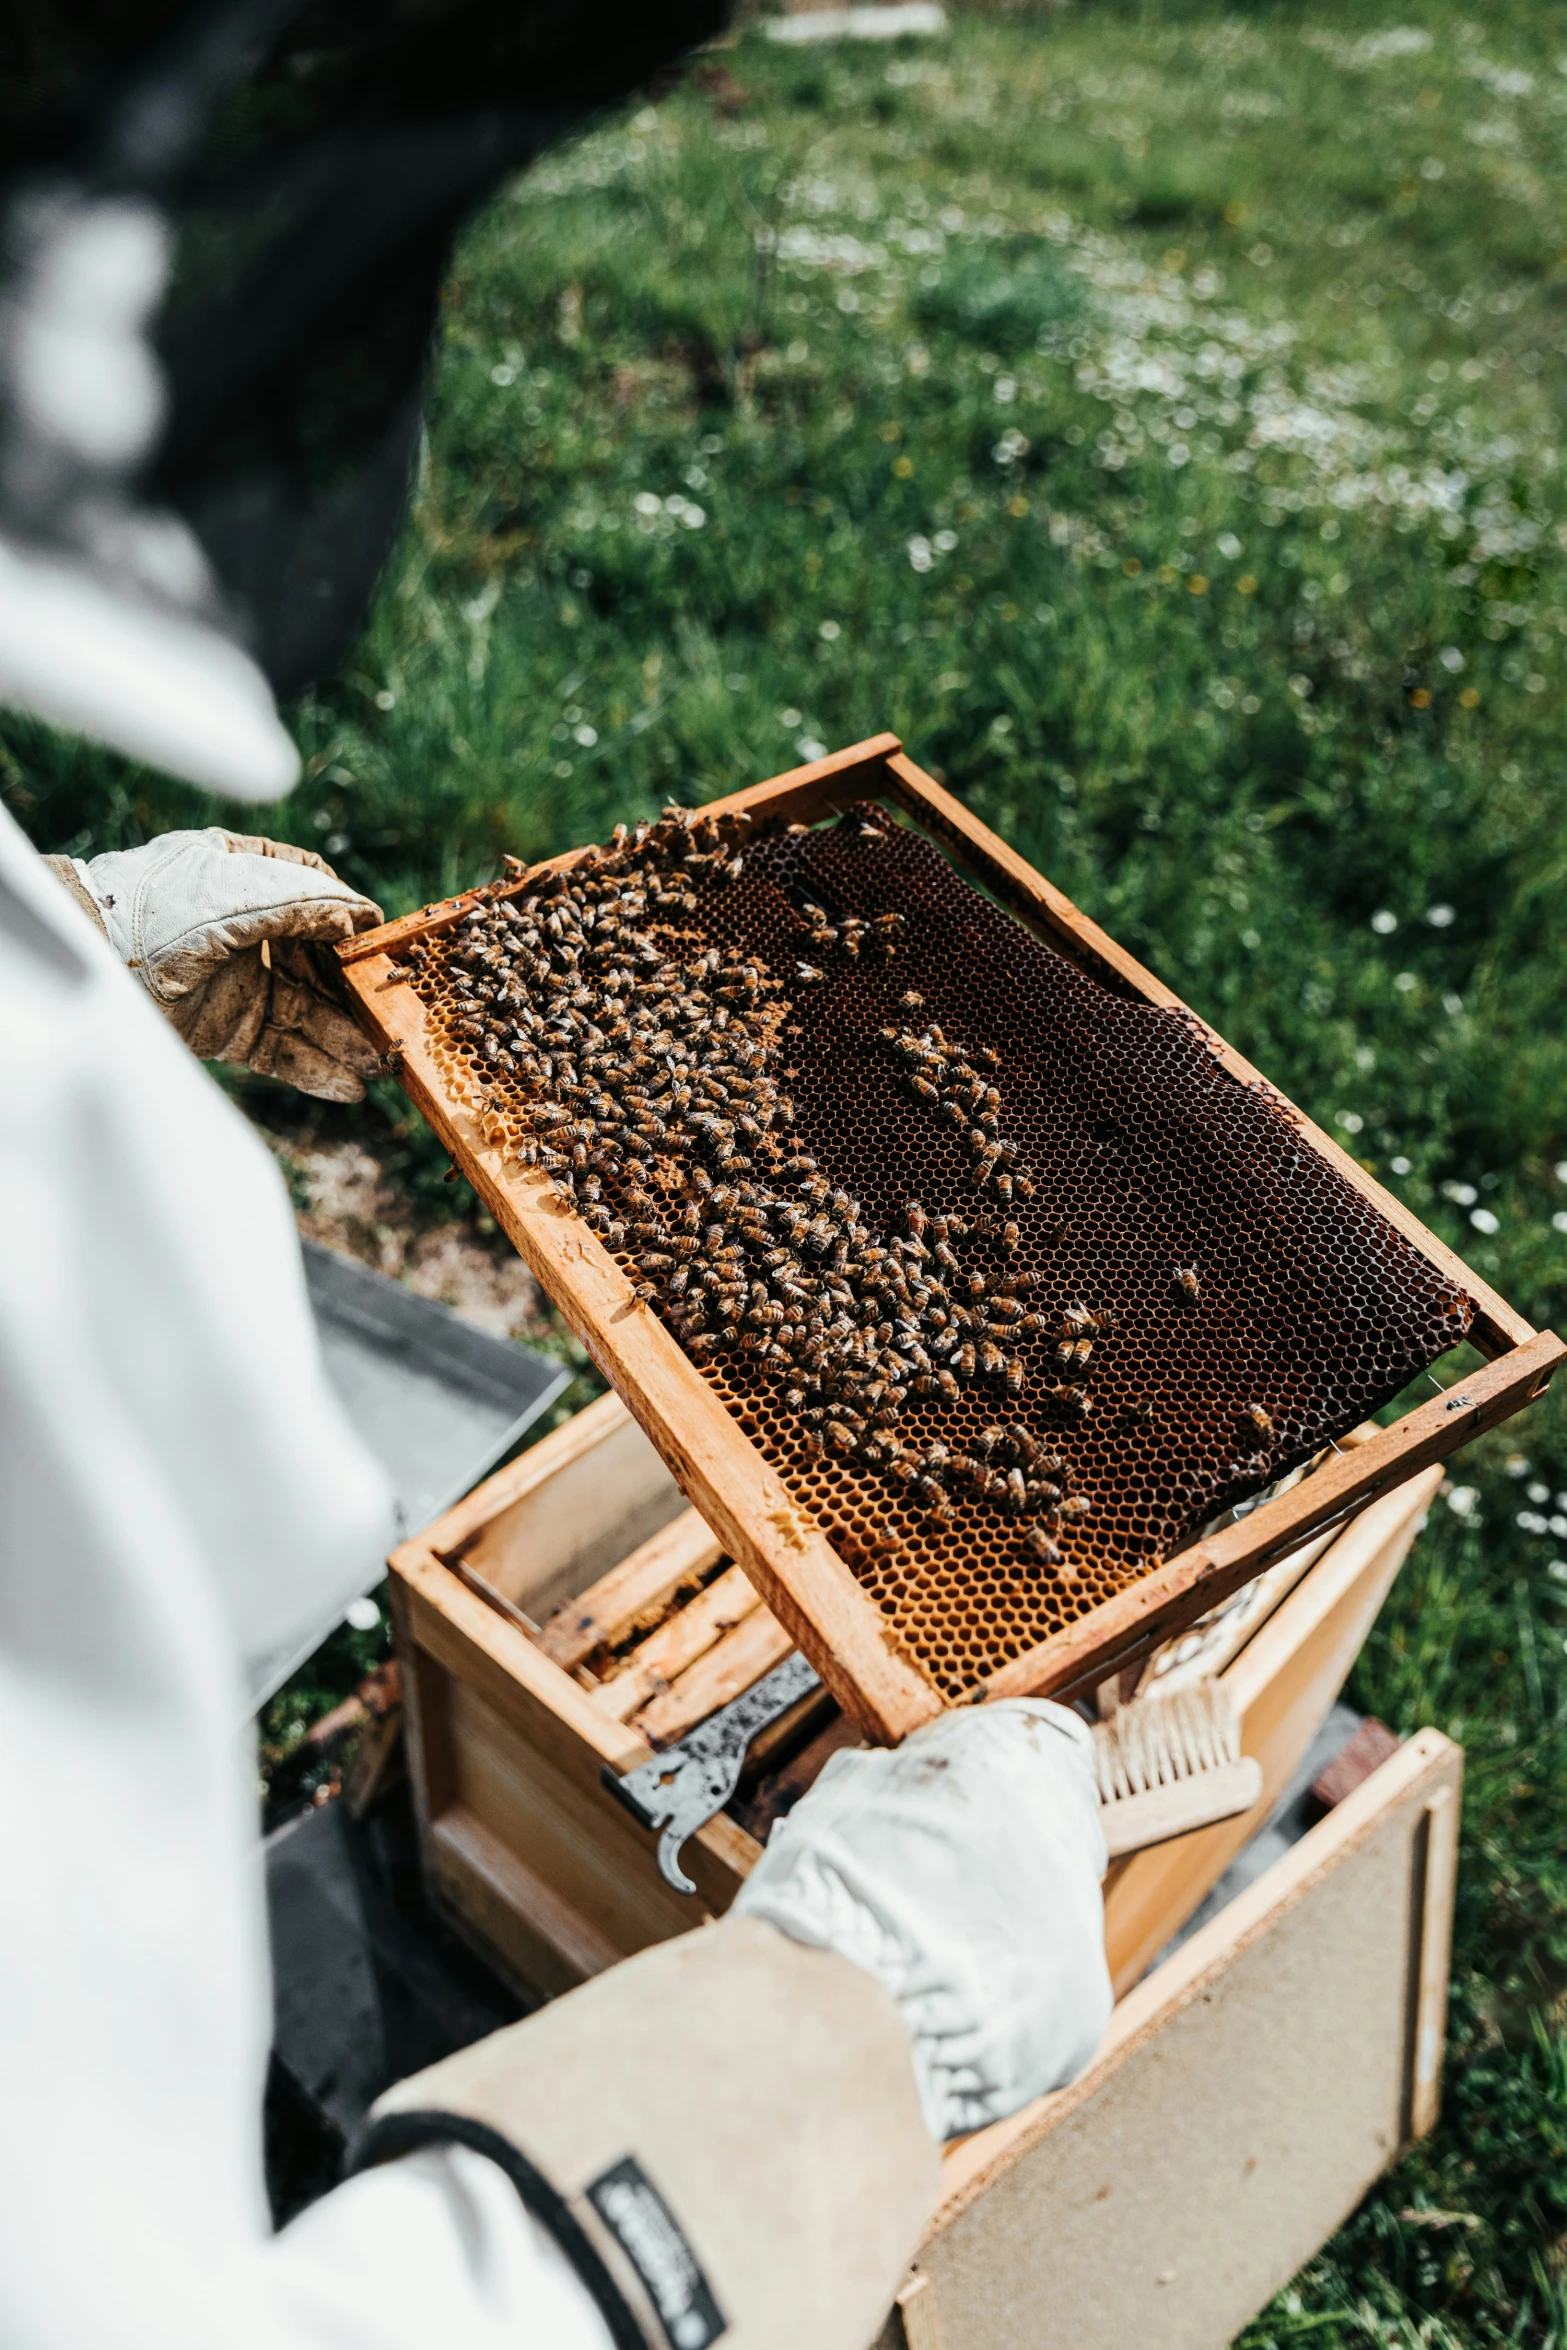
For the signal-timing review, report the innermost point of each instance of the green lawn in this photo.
(1153, 416)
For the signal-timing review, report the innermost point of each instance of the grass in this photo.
(1153, 415)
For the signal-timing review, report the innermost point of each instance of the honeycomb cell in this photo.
(1169, 1295)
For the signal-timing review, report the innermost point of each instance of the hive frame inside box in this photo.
(739, 1494)
(539, 1865)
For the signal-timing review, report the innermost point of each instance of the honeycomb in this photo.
(1184, 1300)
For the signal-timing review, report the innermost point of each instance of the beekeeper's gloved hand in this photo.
(726, 2132)
(961, 1869)
(231, 936)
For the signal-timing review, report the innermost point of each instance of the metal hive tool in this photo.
(1245, 1304)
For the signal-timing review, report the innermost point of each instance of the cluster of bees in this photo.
(647, 1068)
(944, 1077)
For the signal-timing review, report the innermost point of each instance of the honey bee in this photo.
(839, 1438)
(988, 1440)
(1077, 1507)
(1140, 1413)
(1186, 1284)
(1014, 1375)
(1040, 1545)
(807, 974)
(991, 1359)
(963, 1360)
(1255, 1417)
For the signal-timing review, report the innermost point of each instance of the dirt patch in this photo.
(344, 1198)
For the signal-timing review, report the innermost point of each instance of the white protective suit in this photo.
(176, 1482)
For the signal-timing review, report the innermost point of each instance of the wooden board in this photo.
(741, 1497)
(1246, 2096)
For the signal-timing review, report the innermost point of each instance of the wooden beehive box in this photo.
(897, 1638)
(586, 1534)
(1251, 2086)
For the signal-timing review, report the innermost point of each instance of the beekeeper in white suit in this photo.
(732, 2136)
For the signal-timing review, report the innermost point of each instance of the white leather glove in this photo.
(962, 1870)
(231, 936)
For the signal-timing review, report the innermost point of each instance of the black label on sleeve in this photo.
(650, 2236)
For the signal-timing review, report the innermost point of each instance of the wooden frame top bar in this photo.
(723, 1473)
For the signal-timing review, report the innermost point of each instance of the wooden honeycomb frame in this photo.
(723, 1472)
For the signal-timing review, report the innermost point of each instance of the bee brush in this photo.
(1166, 1765)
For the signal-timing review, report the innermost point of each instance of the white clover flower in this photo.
(645, 503)
(1384, 922)
(944, 541)
(920, 556)
(1351, 1121)
(587, 736)
(829, 632)
(1439, 917)
(1483, 1220)
(1462, 1500)
(1463, 1195)
(1451, 658)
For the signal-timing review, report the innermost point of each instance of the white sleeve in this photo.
(176, 1484)
(390, 2260)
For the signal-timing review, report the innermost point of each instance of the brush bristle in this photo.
(1155, 1740)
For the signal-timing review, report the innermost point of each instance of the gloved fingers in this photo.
(308, 907)
(222, 1016)
(367, 914)
(310, 1040)
(284, 1022)
(324, 1072)
(256, 844)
